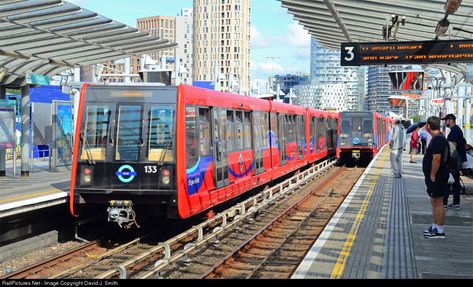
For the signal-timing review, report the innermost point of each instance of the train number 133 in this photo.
(151, 169)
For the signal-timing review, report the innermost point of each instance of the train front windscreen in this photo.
(127, 140)
(356, 129)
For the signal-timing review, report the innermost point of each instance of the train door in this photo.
(258, 140)
(301, 145)
(220, 147)
(128, 128)
(282, 138)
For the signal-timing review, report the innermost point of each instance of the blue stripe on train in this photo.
(243, 174)
(196, 174)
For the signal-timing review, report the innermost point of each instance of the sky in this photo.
(274, 33)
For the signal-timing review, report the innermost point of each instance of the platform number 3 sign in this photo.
(349, 55)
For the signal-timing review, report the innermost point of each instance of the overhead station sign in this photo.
(395, 53)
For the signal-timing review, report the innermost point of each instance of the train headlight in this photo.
(166, 177)
(87, 178)
(87, 175)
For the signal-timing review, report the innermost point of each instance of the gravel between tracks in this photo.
(28, 259)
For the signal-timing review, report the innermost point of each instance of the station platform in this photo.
(41, 189)
(377, 233)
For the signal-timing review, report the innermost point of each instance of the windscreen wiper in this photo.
(88, 151)
(163, 155)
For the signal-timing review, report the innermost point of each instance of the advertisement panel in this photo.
(7, 124)
(63, 133)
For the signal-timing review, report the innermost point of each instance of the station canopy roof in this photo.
(333, 22)
(50, 36)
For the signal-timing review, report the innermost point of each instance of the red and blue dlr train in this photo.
(179, 151)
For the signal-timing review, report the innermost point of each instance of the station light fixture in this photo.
(451, 6)
(442, 27)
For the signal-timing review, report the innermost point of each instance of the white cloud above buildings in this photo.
(290, 47)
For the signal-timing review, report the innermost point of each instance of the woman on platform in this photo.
(414, 143)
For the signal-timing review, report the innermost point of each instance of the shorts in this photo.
(437, 188)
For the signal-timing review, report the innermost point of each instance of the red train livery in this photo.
(179, 151)
(362, 135)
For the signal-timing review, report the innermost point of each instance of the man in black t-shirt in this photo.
(436, 176)
(456, 137)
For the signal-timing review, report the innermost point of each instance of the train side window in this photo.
(247, 130)
(230, 131)
(301, 134)
(289, 129)
(204, 132)
(321, 130)
(191, 137)
(312, 134)
(265, 126)
(161, 134)
(238, 131)
(96, 132)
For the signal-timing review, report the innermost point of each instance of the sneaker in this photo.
(454, 206)
(445, 206)
(428, 231)
(434, 234)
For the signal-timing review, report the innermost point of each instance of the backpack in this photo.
(423, 135)
(454, 161)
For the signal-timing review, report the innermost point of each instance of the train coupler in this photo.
(121, 212)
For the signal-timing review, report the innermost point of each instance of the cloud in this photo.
(266, 68)
(257, 39)
(297, 36)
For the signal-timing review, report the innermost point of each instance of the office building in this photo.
(184, 50)
(222, 44)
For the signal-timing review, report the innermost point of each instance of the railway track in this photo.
(276, 250)
(205, 250)
(46, 268)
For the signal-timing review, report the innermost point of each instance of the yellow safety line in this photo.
(29, 196)
(339, 267)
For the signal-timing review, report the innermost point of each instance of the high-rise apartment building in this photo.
(222, 44)
(184, 50)
(162, 27)
(325, 70)
(380, 89)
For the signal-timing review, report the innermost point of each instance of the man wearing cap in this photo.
(397, 143)
(456, 137)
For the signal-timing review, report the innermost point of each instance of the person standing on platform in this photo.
(434, 167)
(456, 137)
(397, 144)
(414, 143)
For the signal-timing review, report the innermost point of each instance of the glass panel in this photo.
(230, 131)
(191, 138)
(161, 134)
(129, 133)
(247, 131)
(368, 127)
(204, 128)
(356, 124)
(96, 131)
